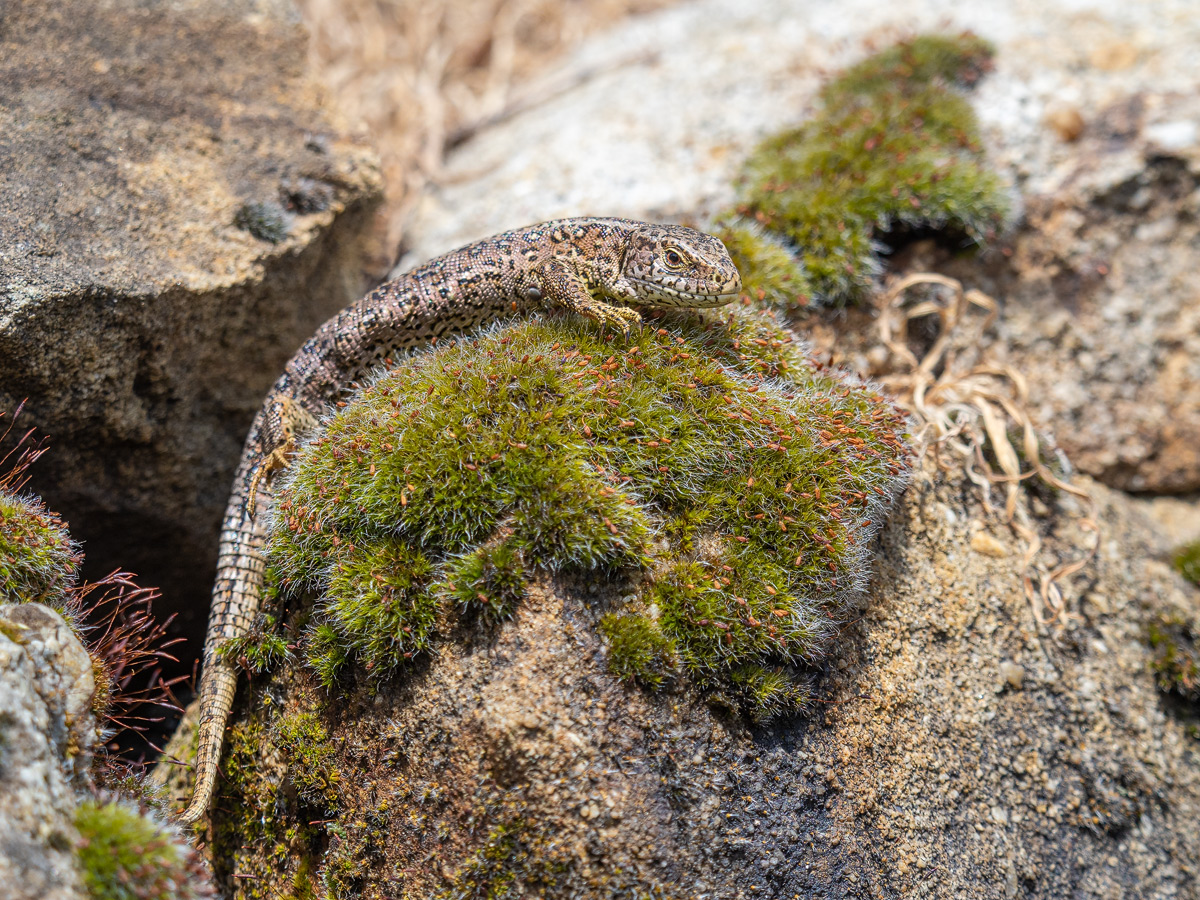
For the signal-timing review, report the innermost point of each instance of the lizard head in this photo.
(671, 265)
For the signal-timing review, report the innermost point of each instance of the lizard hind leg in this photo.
(285, 418)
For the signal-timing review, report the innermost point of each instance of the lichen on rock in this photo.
(57, 841)
(47, 732)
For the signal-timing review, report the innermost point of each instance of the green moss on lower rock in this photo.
(249, 799)
(304, 741)
(126, 855)
(1176, 660)
(1187, 561)
(894, 146)
(39, 563)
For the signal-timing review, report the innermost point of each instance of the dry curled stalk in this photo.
(15, 462)
(963, 406)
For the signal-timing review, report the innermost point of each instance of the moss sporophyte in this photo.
(895, 145)
(744, 482)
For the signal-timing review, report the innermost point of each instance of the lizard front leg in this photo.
(562, 286)
(286, 418)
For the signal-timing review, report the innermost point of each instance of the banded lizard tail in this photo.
(579, 264)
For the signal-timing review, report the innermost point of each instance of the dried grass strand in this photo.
(964, 407)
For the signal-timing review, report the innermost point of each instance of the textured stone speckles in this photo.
(46, 735)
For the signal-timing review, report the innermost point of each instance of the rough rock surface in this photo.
(1101, 281)
(1103, 287)
(178, 210)
(1177, 517)
(46, 734)
(964, 751)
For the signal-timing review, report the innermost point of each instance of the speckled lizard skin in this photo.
(579, 264)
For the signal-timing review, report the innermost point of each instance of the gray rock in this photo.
(178, 210)
(47, 732)
(1102, 295)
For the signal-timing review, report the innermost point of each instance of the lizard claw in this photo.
(622, 317)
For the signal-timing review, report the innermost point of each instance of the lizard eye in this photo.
(674, 260)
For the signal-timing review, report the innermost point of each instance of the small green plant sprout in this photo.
(260, 650)
(638, 650)
(1176, 661)
(895, 146)
(743, 482)
(125, 854)
(490, 580)
(1187, 562)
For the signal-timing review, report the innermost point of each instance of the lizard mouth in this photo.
(679, 297)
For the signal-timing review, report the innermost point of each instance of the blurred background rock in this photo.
(422, 76)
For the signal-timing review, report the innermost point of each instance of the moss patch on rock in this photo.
(743, 482)
(127, 855)
(304, 741)
(1175, 637)
(1176, 660)
(39, 563)
(261, 649)
(249, 836)
(515, 858)
(1187, 561)
(264, 646)
(895, 146)
(638, 649)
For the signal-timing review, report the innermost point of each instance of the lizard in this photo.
(591, 266)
